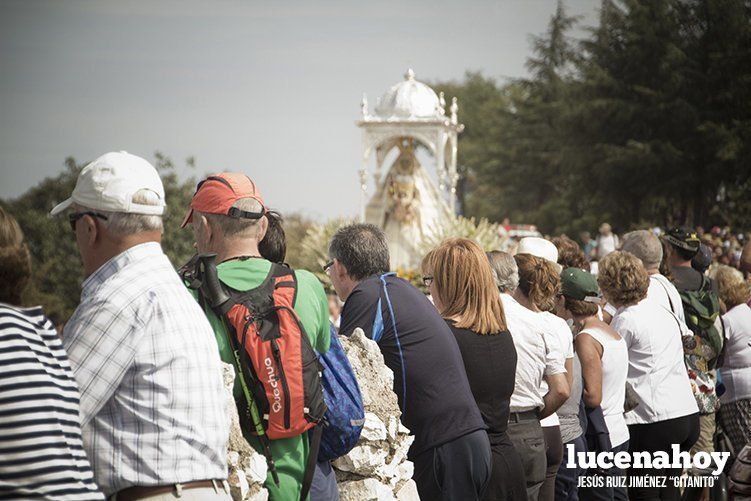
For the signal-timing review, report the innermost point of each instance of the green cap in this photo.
(580, 285)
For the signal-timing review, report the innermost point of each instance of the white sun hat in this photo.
(109, 183)
(539, 247)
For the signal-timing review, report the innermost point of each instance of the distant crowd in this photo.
(511, 359)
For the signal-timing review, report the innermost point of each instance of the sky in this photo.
(272, 89)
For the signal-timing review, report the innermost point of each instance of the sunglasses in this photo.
(427, 280)
(328, 265)
(75, 216)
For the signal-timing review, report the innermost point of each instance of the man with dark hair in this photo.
(273, 247)
(702, 308)
(451, 451)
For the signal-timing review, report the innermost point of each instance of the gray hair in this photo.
(644, 245)
(238, 227)
(505, 270)
(123, 224)
(362, 249)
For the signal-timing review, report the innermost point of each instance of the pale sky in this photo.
(269, 88)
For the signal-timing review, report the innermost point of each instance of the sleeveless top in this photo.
(568, 413)
(614, 373)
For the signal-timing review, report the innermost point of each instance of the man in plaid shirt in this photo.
(144, 356)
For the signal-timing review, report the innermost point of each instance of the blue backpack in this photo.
(345, 414)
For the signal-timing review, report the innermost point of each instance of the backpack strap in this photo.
(235, 297)
(310, 464)
(681, 331)
(667, 293)
(721, 355)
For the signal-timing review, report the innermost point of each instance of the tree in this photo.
(644, 121)
(56, 267)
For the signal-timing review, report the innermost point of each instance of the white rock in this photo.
(408, 492)
(401, 448)
(363, 460)
(368, 489)
(233, 458)
(238, 484)
(406, 470)
(373, 429)
(262, 495)
(393, 428)
(256, 469)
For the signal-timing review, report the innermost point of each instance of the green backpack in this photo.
(702, 311)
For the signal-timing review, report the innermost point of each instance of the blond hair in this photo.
(731, 287)
(538, 280)
(466, 287)
(622, 278)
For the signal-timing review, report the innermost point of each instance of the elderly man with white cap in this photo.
(559, 331)
(144, 356)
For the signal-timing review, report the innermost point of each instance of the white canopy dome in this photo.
(409, 99)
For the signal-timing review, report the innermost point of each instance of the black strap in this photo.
(310, 466)
(672, 308)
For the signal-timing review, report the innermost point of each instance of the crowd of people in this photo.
(509, 361)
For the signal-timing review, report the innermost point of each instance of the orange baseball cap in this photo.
(217, 193)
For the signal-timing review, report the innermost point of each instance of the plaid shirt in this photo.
(146, 362)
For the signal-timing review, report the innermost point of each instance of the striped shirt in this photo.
(153, 406)
(41, 453)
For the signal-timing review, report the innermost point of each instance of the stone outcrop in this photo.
(376, 469)
(247, 468)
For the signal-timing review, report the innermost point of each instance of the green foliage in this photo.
(486, 234)
(647, 119)
(57, 272)
(177, 242)
(315, 247)
(296, 227)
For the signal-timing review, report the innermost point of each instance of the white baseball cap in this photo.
(109, 183)
(538, 247)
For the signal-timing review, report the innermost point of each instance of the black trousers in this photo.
(459, 469)
(507, 478)
(660, 436)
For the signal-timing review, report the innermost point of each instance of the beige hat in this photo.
(109, 183)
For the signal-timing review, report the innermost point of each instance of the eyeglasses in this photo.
(328, 265)
(75, 216)
(427, 280)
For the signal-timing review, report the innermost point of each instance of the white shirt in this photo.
(606, 244)
(655, 363)
(534, 359)
(153, 408)
(614, 373)
(663, 292)
(563, 344)
(736, 370)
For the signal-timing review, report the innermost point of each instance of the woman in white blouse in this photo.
(734, 416)
(666, 413)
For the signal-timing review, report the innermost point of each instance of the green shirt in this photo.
(311, 305)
